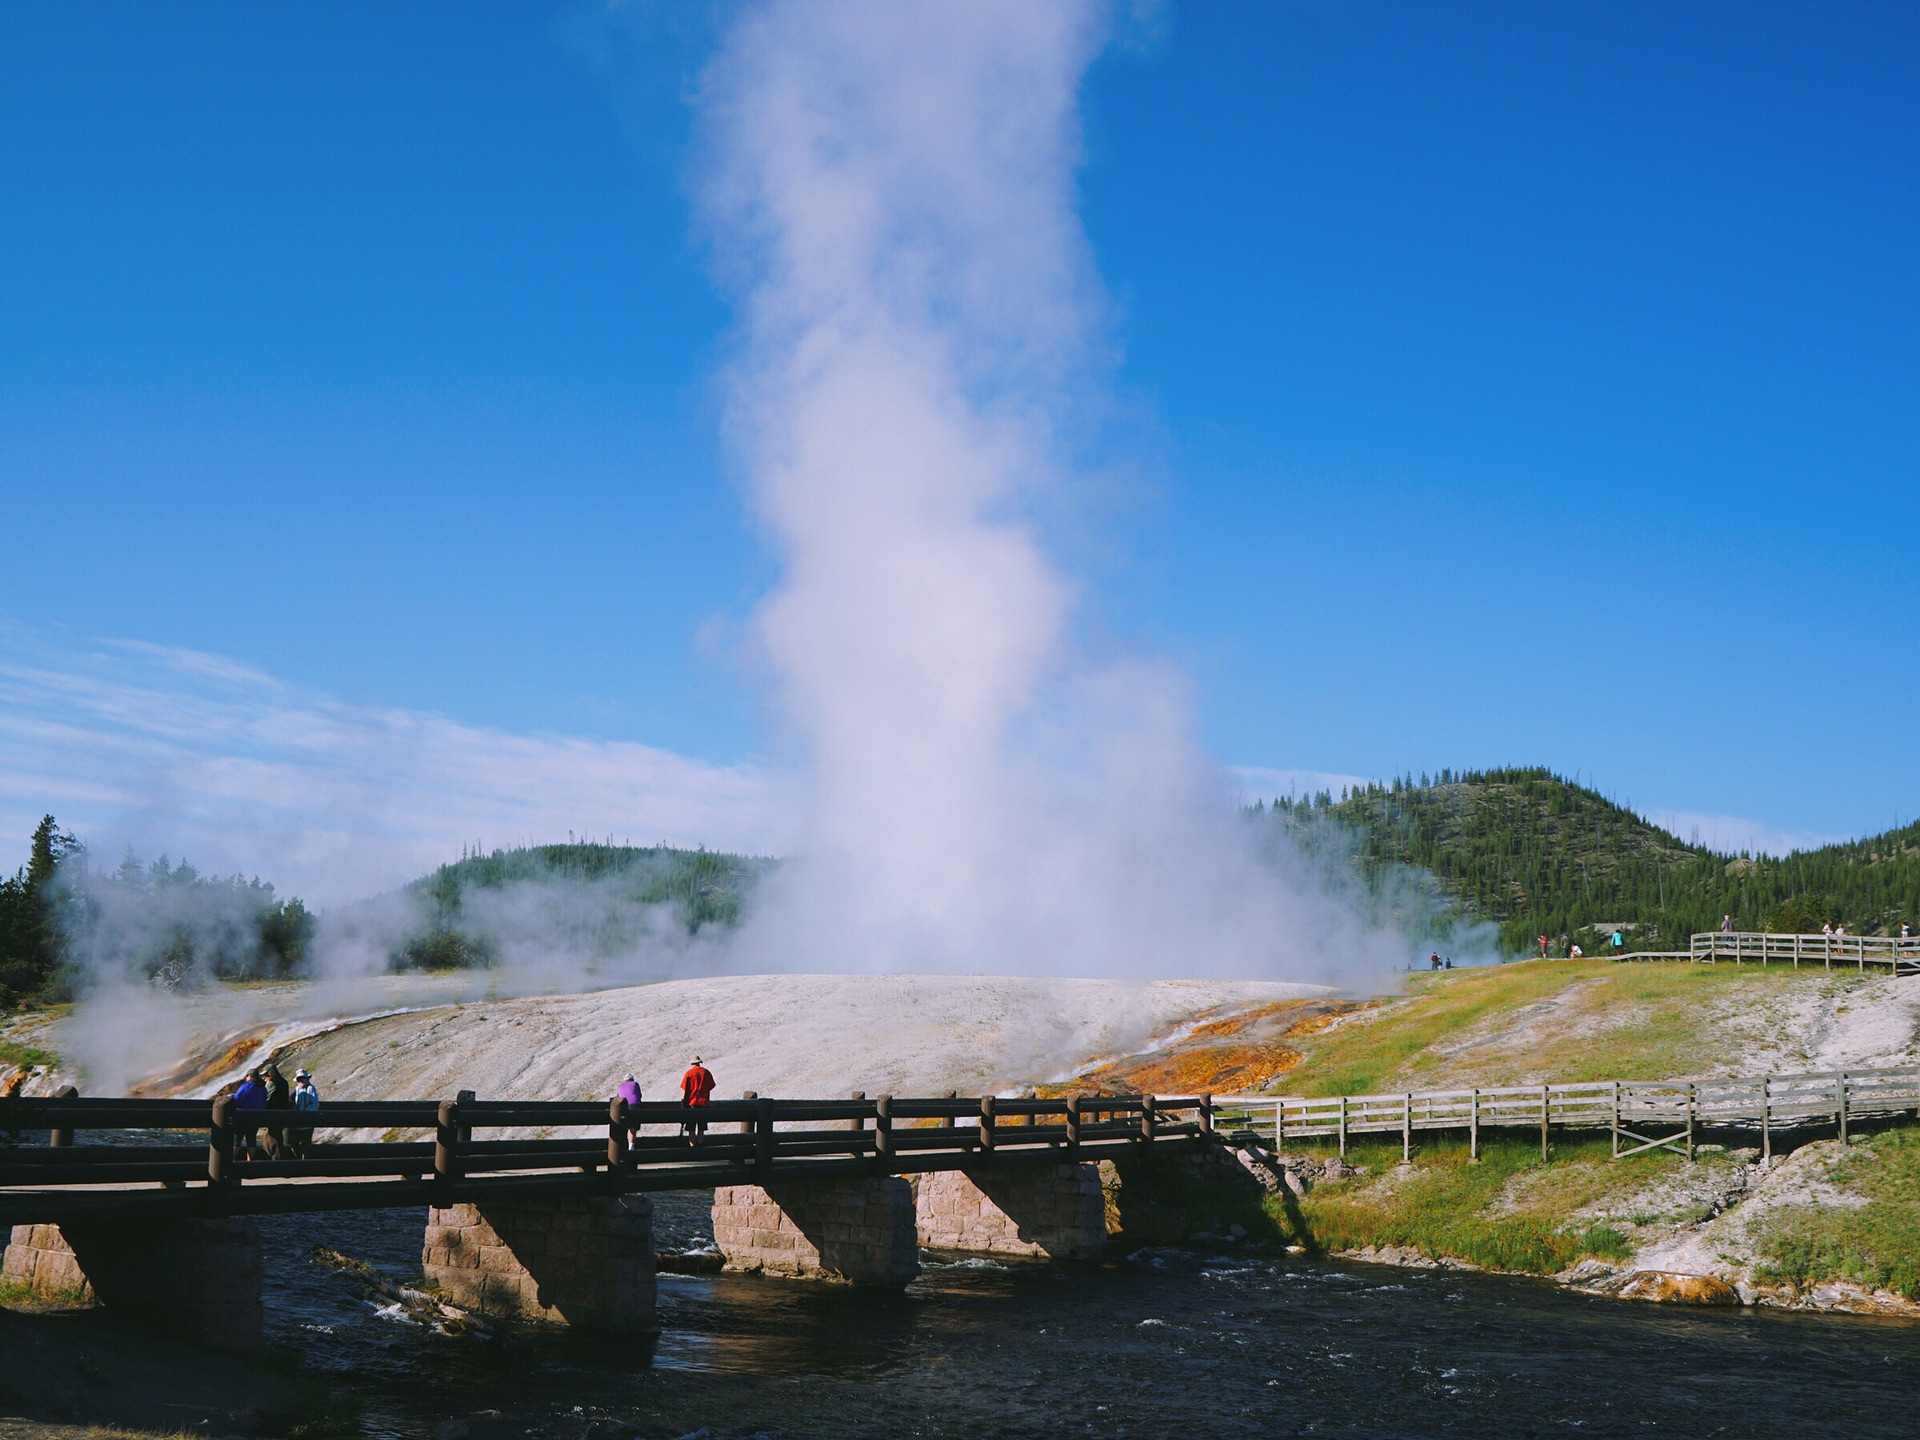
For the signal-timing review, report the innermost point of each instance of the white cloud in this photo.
(196, 755)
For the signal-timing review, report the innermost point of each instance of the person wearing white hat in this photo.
(306, 1100)
(696, 1090)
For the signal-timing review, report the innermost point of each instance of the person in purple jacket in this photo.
(629, 1091)
(249, 1105)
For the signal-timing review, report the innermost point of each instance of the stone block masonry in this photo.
(1045, 1211)
(583, 1261)
(39, 1261)
(858, 1230)
(197, 1278)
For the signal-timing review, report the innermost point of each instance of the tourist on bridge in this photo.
(629, 1091)
(279, 1097)
(1726, 924)
(306, 1100)
(696, 1089)
(249, 1104)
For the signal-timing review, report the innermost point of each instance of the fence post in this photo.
(220, 1142)
(1073, 1125)
(1406, 1128)
(1473, 1125)
(62, 1135)
(1149, 1120)
(746, 1126)
(858, 1122)
(446, 1149)
(947, 1122)
(986, 1124)
(1206, 1114)
(1766, 1121)
(1840, 1093)
(1616, 1120)
(1545, 1105)
(1343, 1127)
(1690, 1113)
(1796, 952)
(616, 1133)
(763, 1141)
(883, 1129)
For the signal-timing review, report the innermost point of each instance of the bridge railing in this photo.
(614, 1147)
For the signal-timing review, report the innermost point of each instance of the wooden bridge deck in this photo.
(747, 1142)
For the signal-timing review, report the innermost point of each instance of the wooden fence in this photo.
(1630, 1109)
(1899, 955)
(433, 1157)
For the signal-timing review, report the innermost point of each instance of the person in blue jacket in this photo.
(249, 1106)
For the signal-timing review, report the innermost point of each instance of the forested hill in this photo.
(1537, 854)
(611, 886)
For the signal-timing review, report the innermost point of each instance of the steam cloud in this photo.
(891, 197)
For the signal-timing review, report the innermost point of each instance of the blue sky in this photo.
(1498, 384)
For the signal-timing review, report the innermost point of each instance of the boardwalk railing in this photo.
(1860, 951)
(1896, 954)
(623, 1150)
(1628, 1108)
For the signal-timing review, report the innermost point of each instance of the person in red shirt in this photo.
(696, 1089)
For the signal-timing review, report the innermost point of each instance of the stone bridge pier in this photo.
(583, 1261)
(858, 1229)
(197, 1278)
(1053, 1212)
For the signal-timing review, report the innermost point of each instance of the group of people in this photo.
(266, 1089)
(258, 1134)
(696, 1093)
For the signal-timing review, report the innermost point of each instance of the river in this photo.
(1166, 1344)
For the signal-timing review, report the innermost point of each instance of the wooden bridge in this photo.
(1631, 1110)
(1897, 955)
(127, 1204)
(155, 1172)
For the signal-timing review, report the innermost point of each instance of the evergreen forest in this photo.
(1538, 855)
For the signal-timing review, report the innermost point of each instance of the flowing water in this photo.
(1168, 1344)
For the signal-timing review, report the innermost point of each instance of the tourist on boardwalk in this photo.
(1726, 924)
(249, 1104)
(306, 1100)
(1433, 961)
(696, 1089)
(1543, 947)
(629, 1091)
(279, 1097)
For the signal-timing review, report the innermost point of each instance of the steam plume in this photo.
(891, 194)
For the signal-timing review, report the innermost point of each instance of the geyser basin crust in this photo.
(791, 1035)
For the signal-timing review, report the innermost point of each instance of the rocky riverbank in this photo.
(1825, 1228)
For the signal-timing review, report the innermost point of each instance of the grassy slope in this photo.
(1582, 1019)
(1538, 854)
(1877, 1245)
(1508, 1212)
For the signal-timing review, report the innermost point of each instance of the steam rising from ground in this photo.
(890, 199)
(892, 202)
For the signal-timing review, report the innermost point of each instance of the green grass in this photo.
(1878, 1245)
(22, 1056)
(1504, 1213)
(1673, 1032)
